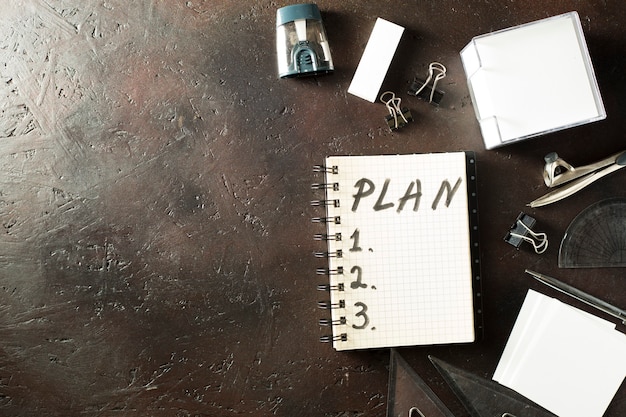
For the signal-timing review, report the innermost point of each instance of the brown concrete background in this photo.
(156, 247)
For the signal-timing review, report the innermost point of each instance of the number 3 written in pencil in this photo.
(361, 313)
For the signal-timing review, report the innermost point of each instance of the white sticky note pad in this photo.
(531, 80)
(564, 359)
(379, 52)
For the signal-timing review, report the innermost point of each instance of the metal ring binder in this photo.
(324, 185)
(336, 220)
(327, 305)
(326, 271)
(327, 322)
(324, 203)
(336, 254)
(329, 170)
(328, 338)
(328, 287)
(323, 236)
(337, 237)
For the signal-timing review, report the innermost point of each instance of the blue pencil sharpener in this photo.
(301, 42)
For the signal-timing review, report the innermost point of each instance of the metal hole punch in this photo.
(398, 117)
(420, 88)
(521, 231)
(557, 172)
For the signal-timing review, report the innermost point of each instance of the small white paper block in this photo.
(532, 79)
(566, 360)
(379, 52)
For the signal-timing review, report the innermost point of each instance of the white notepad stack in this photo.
(532, 79)
(566, 360)
(403, 259)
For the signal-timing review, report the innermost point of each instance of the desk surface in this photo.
(156, 254)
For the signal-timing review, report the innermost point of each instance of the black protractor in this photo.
(596, 238)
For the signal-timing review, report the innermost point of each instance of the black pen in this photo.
(580, 295)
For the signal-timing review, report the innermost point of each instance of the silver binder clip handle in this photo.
(522, 231)
(398, 116)
(419, 88)
(539, 241)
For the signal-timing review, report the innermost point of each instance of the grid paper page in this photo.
(406, 259)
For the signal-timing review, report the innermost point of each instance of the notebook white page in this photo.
(411, 281)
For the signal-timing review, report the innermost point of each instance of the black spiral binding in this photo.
(326, 272)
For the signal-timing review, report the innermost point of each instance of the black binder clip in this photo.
(398, 117)
(421, 89)
(521, 231)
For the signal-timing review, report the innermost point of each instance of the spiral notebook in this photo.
(402, 250)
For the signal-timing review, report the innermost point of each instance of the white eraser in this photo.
(379, 52)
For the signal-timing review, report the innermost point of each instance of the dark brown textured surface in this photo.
(156, 247)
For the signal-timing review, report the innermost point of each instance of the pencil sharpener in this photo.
(301, 42)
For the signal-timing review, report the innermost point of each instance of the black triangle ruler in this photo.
(485, 398)
(407, 391)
